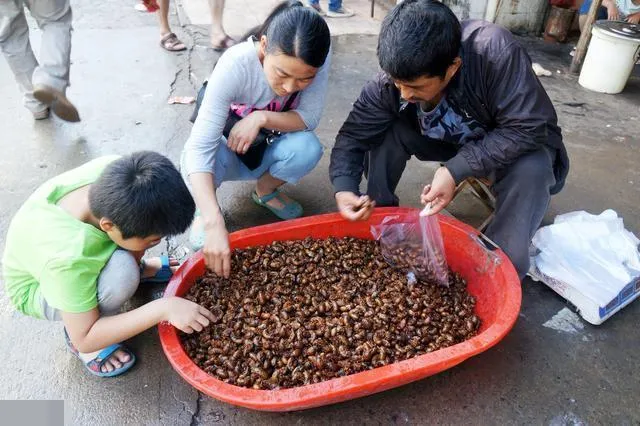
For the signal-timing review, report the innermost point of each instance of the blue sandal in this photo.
(291, 209)
(163, 275)
(95, 365)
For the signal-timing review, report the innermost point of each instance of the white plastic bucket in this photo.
(609, 62)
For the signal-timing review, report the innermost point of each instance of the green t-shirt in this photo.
(49, 252)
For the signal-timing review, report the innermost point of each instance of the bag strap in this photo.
(289, 103)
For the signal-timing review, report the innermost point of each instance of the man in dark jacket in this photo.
(461, 94)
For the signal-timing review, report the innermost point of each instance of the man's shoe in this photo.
(57, 101)
(343, 12)
(42, 114)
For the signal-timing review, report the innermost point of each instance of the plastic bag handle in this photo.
(487, 242)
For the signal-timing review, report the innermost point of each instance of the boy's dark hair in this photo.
(143, 194)
(296, 31)
(419, 38)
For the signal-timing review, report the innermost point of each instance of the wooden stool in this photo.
(480, 188)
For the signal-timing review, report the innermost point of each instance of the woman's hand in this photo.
(216, 251)
(245, 132)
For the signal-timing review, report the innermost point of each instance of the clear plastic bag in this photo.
(413, 243)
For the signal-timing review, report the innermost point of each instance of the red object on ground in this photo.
(494, 284)
(151, 5)
(563, 3)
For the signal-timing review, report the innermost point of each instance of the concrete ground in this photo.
(546, 371)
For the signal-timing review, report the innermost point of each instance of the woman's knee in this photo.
(303, 145)
(297, 154)
(118, 281)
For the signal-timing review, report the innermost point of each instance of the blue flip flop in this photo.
(163, 275)
(291, 209)
(94, 366)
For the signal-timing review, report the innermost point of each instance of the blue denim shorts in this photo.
(602, 11)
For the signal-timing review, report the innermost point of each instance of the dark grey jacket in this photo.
(495, 85)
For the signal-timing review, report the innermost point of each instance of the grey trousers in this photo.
(54, 19)
(523, 189)
(117, 283)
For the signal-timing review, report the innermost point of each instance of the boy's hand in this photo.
(244, 133)
(613, 14)
(186, 315)
(353, 207)
(153, 264)
(634, 18)
(440, 192)
(217, 254)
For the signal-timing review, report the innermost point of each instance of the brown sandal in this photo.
(171, 43)
(226, 43)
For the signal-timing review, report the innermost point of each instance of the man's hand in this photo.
(245, 132)
(186, 315)
(217, 254)
(634, 18)
(440, 192)
(353, 207)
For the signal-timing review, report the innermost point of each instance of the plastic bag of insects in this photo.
(413, 243)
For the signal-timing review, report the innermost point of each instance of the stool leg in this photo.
(486, 222)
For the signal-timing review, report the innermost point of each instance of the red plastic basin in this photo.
(490, 276)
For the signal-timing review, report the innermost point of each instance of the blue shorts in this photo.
(602, 11)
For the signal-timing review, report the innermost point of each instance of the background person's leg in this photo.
(168, 40)
(14, 43)
(51, 77)
(336, 10)
(54, 19)
(335, 5)
(522, 198)
(163, 17)
(219, 38)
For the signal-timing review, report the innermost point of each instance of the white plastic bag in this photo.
(591, 252)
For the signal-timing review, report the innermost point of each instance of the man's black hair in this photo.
(143, 194)
(418, 38)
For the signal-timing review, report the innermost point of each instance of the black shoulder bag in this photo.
(253, 157)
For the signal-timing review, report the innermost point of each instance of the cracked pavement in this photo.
(121, 80)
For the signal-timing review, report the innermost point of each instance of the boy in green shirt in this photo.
(74, 249)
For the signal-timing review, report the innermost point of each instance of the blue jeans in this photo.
(334, 5)
(289, 158)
